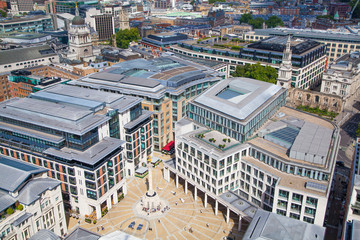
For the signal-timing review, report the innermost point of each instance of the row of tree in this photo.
(273, 21)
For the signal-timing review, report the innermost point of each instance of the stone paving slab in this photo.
(172, 225)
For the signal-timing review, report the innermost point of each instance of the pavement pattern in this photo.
(174, 224)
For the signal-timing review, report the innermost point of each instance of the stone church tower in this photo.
(124, 20)
(80, 46)
(285, 70)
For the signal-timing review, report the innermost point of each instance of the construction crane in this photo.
(352, 11)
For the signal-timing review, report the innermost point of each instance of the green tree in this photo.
(245, 18)
(124, 37)
(274, 21)
(256, 71)
(358, 131)
(214, 1)
(326, 17)
(3, 13)
(257, 23)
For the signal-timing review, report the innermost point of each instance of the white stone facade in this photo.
(45, 213)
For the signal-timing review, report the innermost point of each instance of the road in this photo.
(335, 208)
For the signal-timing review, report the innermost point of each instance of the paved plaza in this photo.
(186, 218)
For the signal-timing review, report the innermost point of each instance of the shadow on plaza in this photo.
(233, 233)
(351, 125)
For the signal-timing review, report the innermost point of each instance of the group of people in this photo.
(101, 227)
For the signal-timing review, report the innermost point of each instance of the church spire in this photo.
(76, 9)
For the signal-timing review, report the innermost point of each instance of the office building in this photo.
(271, 226)
(29, 201)
(36, 23)
(89, 140)
(21, 6)
(239, 137)
(104, 26)
(22, 83)
(342, 77)
(164, 39)
(166, 84)
(308, 57)
(20, 58)
(337, 43)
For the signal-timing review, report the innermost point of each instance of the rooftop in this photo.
(238, 97)
(82, 234)
(24, 54)
(65, 108)
(92, 155)
(297, 137)
(272, 226)
(278, 44)
(149, 77)
(310, 33)
(14, 172)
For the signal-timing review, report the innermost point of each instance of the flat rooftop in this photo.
(238, 97)
(272, 226)
(312, 138)
(310, 33)
(278, 44)
(92, 155)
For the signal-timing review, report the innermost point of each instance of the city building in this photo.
(22, 83)
(102, 23)
(337, 43)
(166, 84)
(342, 77)
(29, 24)
(342, 10)
(29, 201)
(271, 226)
(80, 44)
(21, 6)
(308, 57)
(89, 140)
(4, 87)
(290, 10)
(164, 39)
(352, 207)
(240, 137)
(124, 20)
(20, 58)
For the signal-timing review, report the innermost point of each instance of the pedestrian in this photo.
(97, 228)
(230, 231)
(200, 211)
(207, 225)
(176, 203)
(102, 228)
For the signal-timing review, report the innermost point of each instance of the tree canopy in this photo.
(257, 23)
(274, 21)
(256, 71)
(124, 37)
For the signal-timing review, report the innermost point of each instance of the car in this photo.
(139, 227)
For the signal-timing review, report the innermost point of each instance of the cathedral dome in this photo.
(77, 20)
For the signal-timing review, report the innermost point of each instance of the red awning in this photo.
(169, 146)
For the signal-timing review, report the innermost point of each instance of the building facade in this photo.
(166, 84)
(30, 201)
(337, 44)
(277, 166)
(342, 77)
(308, 58)
(89, 140)
(30, 24)
(20, 58)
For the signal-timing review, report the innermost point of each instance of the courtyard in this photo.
(185, 219)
